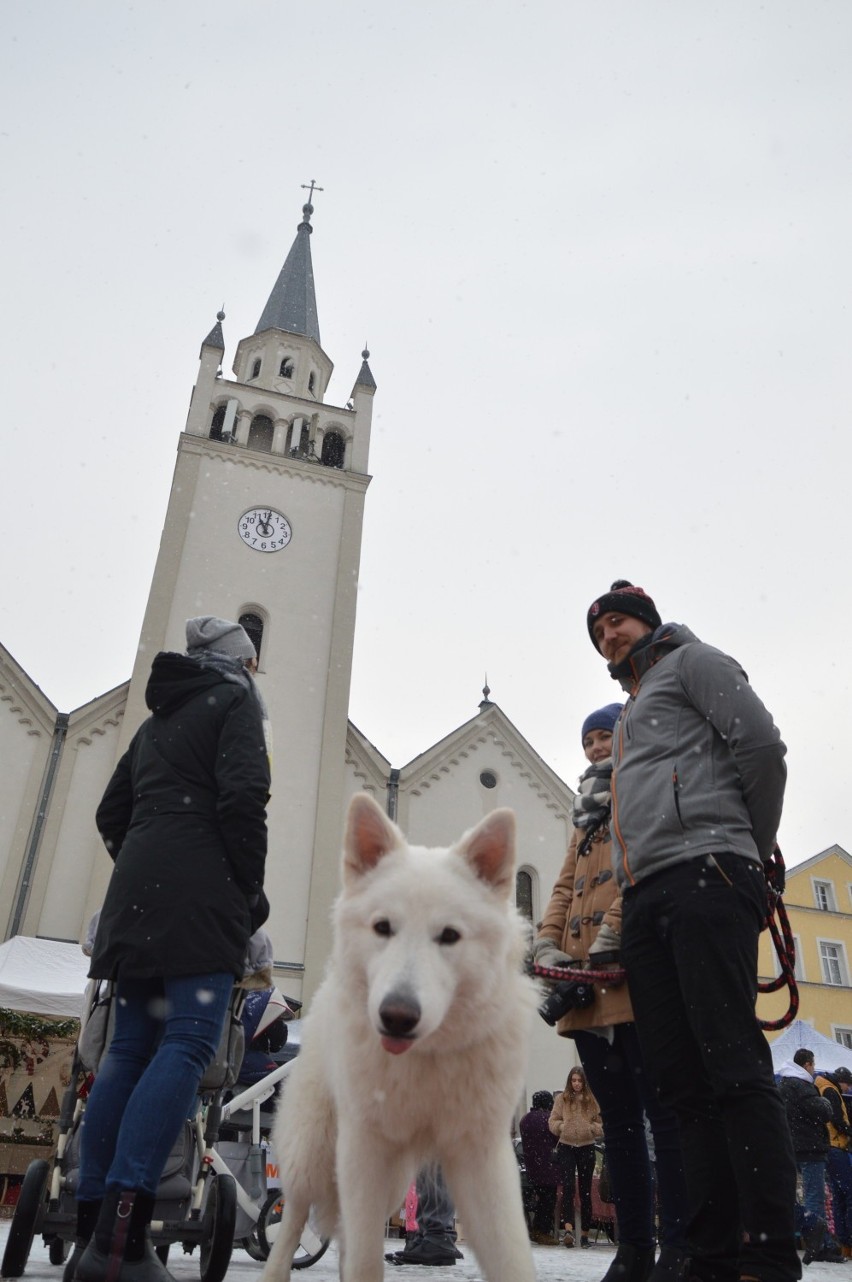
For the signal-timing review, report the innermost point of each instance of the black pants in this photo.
(617, 1078)
(576, 1161)
(689, 944)
(545, 1207)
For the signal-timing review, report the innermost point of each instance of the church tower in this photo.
(264, 525)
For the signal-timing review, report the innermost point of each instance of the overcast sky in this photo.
(600, 252)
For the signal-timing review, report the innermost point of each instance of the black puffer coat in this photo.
(807, 1114)
(184, 818)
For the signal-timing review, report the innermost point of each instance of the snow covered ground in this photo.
(552, 1264)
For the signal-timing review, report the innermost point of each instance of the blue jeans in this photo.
(813, 1186)
(166, 1034)
(618, 1083)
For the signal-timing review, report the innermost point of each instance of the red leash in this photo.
(782, 938)
(565, 974)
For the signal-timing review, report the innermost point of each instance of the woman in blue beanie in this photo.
(581, 926)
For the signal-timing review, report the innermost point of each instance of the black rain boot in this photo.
(87, 1218)
(120, 1249)
(672, 1265)
(631, 1264)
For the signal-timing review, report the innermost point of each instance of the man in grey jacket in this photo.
(697, 790)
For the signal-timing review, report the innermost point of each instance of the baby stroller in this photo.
(196, 1204)
(247, 1118)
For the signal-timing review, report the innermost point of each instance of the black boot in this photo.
(813, 1236)
(631, 1264)
(120, 1250)
(672, 1264)
(87, 1218)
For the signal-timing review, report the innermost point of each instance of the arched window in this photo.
(312, 382)
(286, 370)
(333, 449)
(255, 369)
(300, 436)
(253, 625)
(217, 423)
(523, 892)
(260, 433)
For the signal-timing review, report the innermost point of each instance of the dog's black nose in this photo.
(399, 1015)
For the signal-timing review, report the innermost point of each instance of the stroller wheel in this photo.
(57, 1250)
(24, 1221)
(217, 1228)
(251, 1244)
(311, 1246)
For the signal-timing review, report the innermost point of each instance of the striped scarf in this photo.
(593, 798)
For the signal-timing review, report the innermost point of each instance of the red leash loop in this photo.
(782, 938)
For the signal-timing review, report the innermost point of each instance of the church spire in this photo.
(292, 305)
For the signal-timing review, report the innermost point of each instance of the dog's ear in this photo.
(490, 850)
(369, 835)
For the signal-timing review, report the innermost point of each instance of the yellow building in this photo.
(818, 899)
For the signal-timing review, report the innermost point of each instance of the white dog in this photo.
(414, 1050)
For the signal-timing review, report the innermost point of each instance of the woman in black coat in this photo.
(184, 819)
(542, 1172)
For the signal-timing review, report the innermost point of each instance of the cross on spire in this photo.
(313, 188)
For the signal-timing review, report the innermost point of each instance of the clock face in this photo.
(264, 529)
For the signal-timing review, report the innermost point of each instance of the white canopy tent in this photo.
(42, 976)
(828, 1054)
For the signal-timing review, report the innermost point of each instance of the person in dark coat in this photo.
(184, 819)
(808, 1113)
(542, 1171)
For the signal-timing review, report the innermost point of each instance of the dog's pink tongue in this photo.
(397, 1045)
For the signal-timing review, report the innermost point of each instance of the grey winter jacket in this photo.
(698, 761)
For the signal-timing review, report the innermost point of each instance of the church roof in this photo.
(292, 305)
(365, 375)
(216, 338)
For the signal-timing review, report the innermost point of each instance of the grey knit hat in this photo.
(210, 633)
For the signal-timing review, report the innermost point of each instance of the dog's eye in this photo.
(382, 927)
(449, 936)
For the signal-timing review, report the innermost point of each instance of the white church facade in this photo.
(264, 525)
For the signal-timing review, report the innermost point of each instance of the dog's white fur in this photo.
(413, 1050)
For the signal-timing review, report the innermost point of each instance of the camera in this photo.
(577, 994)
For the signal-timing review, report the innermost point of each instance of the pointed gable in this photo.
(492, 741)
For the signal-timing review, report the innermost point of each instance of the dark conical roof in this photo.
(292, 305)
(216, 338)
(365, 374)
